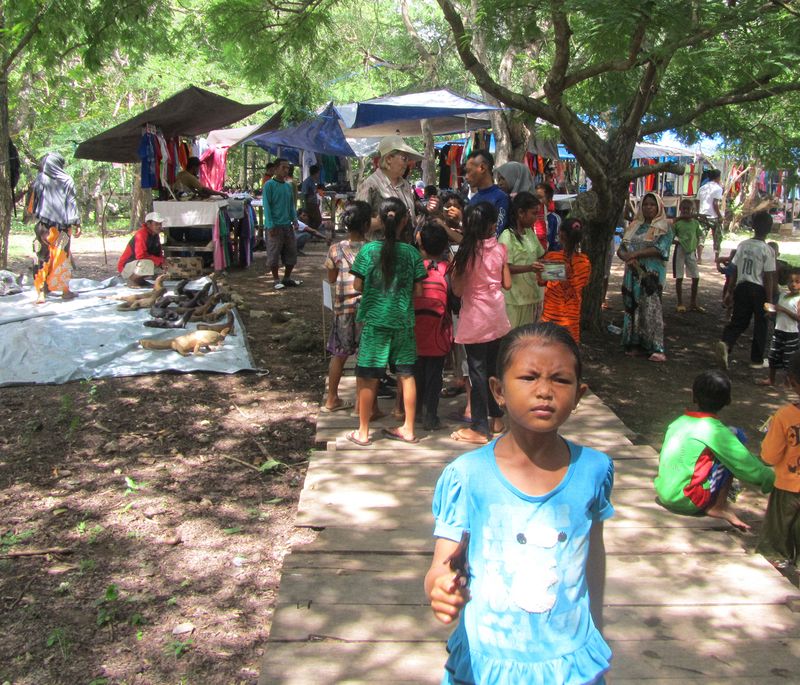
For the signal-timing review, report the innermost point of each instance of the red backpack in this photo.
(433, 328)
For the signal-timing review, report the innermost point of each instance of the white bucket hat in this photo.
(396, 143)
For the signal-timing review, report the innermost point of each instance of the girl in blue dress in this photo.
(530, 600)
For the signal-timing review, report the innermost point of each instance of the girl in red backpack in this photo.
(433, 328)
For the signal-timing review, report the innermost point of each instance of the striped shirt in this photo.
(562, 299)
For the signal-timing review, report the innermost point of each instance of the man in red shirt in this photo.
(144, 252)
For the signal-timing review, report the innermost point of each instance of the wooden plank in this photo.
(347, 663)
(357, 506)
(678, 659)
(622, 624)
(654, 580)
(377, 473)
(674, 661)
(406, 539)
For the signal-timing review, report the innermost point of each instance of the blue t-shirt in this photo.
(496, 197)
(528, 619)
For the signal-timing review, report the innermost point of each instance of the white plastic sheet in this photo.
(88, 338)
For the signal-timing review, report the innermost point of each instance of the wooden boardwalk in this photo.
(685, 601)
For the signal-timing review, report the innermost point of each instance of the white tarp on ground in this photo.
(89, 338)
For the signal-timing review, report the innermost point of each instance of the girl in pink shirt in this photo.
(479, 271)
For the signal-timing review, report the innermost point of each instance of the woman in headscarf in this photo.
(513, 178)
(55, 207)
(645, 251)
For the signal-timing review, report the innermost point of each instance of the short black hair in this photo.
(714, 174)
(547, 188)
(446, 195)
(431, 191)
(762, 224)
(433, 238)
(280, 160)
(793, 367)
(711, 391)
(313, 169)
(485, 155)
(192, 163)
(546, 331)
(357, 216)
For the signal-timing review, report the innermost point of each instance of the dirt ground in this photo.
(171, 549)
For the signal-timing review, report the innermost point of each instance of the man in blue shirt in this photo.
(479, 171)
(280, 221)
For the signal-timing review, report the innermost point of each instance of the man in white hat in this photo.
(387, 180)
(144, 252)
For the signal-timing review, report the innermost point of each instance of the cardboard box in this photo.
(184, 267)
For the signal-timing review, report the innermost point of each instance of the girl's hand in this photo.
(76, 231)
(454, 214)
(448, 596)
(537, 267)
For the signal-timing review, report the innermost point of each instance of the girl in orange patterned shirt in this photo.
(562, 299)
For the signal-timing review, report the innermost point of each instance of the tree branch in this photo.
(426, 56)
(26, 38)
(482, 76)
(753, 92)
(562, 34)
(614, 65)
(637, 172)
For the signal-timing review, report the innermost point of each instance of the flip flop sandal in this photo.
(680, 309)
(458, 436)
(452, 391)
(698, 309)
(352, 436)
(343, 406)
(392, 434)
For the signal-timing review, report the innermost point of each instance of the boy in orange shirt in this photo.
(780, 535)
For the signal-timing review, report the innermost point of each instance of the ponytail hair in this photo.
(521, 202)
(478, 221)
(357, 217)
(393, 212)
(572, 233)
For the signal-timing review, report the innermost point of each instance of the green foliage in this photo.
(179, 647)
(58, 638)
(11, 538)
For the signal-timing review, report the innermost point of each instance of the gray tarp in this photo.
(88, 338)
(188, 113)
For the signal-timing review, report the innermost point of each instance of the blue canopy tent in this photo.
(401, 114)
(322, 135)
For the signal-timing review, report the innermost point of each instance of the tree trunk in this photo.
(429, 160)
(138, 207)
(600, 217)
(6, 199)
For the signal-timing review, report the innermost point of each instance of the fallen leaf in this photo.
(57, 569)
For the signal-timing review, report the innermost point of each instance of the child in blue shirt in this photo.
(530, 594)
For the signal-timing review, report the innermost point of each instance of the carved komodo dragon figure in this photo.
(143, 300)
(189, 343)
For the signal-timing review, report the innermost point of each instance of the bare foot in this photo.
(68, 295)
(727, 514)
(764, 381)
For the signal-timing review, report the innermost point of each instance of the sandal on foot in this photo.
(460, 437)
(352, 436)
(657, 357)
(394, 434)
(342, 406)
(680, 309)
(697, 308)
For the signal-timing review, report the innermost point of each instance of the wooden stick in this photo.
(36, 552)
(239, 461)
